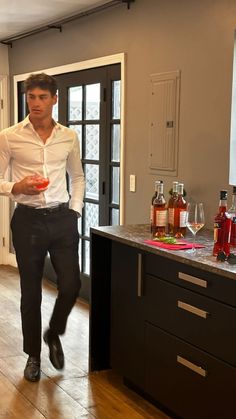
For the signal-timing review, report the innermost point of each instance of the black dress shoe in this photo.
(56, 354)
(32, 369)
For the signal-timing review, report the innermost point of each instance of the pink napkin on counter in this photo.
(176, 246)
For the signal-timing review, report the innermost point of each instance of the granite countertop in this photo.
(134, 235)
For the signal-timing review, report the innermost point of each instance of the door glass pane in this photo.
(91, 217)
(91, 172)
(115, 143)
(78, 129)
(92, 105)
(80, 256)
(23, 104)
(115, 185)
(116, 99)
(115, 217)
(80, 225)
(75, 95)
(86, 246)
(92, 142)
(55, 109)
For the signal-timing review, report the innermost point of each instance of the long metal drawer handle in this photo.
(192, 309)
(196, 368)
(140, 274)
(193, 279)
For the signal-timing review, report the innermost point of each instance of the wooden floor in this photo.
(74, 393)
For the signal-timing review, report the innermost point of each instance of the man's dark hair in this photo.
(41, 80)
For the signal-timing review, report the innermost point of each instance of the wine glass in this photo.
(44, 180)
(195, 220)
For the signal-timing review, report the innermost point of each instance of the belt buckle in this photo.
(45, 211)
(49, 210)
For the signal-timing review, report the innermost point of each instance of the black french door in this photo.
(89, 103)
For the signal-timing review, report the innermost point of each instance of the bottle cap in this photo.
(175, 187)
(223, 194)
(180, 188)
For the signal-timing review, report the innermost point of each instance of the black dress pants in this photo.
(34, 234)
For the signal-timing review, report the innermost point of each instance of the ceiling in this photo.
(19, 16)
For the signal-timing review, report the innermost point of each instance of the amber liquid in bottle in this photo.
(222, 227)
(159, 212)
(171, 208)
(152, 207)
(180, 206)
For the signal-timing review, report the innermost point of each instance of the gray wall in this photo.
(196, 37)
(4, 65)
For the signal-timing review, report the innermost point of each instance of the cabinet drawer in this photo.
(208, 324)
(203, 282)
(191, 383)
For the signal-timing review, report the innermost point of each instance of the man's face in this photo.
(40, 103)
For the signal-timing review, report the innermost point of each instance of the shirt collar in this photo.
(26, 122)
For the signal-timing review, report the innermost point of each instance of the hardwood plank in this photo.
(46, 395)
(105, 395)
(70, 394)
(13, 404)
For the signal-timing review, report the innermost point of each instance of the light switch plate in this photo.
(132, 183)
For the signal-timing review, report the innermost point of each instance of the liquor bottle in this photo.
(232, 215)
(222, 226)
(152, 207)
(159, 212)
(180, 206)
(171, 208)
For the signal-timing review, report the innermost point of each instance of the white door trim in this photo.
(4, 201)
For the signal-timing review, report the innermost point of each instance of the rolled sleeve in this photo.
(77, 181)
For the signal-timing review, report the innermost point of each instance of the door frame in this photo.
(67, 68)
(5, 257)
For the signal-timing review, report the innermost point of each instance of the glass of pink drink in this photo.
(44, 183)
(44, 180)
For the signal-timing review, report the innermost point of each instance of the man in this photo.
(45, 217)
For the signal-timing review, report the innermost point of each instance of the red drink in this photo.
(44, 182)
(171, 208)
(180, 206)
(159, 213)
(152, 207)
(222, 227)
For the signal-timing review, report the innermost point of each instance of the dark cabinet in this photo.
(199, 320)
(167, 326)
(193, 384)
(127, 326)
(169, 337)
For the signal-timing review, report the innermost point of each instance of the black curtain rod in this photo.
(58, 24)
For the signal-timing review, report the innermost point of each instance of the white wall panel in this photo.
(164, 117)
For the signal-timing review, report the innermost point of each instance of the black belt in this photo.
(44, 211)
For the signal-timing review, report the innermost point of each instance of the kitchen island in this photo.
(165, 320)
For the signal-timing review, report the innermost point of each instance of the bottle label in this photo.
(161, 218)
(216, 228)
(182, 218)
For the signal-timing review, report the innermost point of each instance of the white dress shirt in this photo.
(22, 149)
